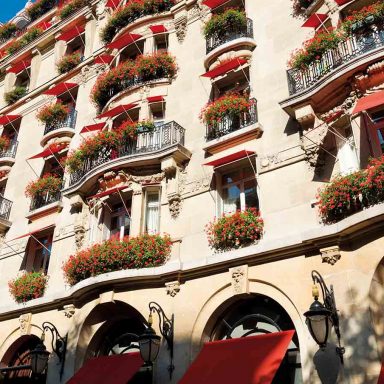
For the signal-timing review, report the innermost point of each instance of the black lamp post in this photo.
(321, 317)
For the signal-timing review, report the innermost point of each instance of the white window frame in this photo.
(151, 190)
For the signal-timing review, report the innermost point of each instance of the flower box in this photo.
(70, 7)
(230, 21)
(24, 40)
(235, 230)
(29, 286)
(69, 62)
(4, 143)
(48, 184)
(7, 31)
(14, 95)
(53, 113)
(363, 17)
(143, 251)
(39, 8)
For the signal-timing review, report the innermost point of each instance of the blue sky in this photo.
(9, 8)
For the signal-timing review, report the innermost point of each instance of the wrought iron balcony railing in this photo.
(47, 198)
(5, 208)
(160, 138)
(217, 40)
(69, 122)
(358, 44)
(11, 150)
(233, 123)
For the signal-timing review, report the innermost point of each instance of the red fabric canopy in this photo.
(333, 116)
(104, 59)
(6, 119)
(117, 110)
(44, 25)
(214, 3)
(93, 127)
(20, 66)
(114, 369)
(229, 158)
(112, 3)
(33, 232)
(224, 68)
(60, 88)
(51, 150)
(315, 20)
(71, 34)
(158, 28)
(250, 360)
(107, 193)
(124, 40)
(342, 2)
(369, 102)
(155, 99)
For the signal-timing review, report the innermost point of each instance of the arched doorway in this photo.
(254, 315)
(19, 354)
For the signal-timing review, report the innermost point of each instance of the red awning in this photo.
(155, 99)
(114, 369)
(72, 33)
(342, 2)
(224, 68)
(251, 360)
(107, 193)
(123, 41)
(333, 116)
(59, 89)
(6, 119)
(93, 128)
(20, 66)
(229, 158)
(214, 3)
(104, 59)
(117, 110)
(33, 232)
(369, 102)
(51, 150)
(158, 28)
(315, 20)
(112, 3)
(44, 25)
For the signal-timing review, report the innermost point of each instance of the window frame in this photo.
(150, 190)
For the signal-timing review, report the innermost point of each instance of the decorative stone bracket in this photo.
(330, 255)
(173, 288)
(69, 310)
(239, 279)
(25, 323)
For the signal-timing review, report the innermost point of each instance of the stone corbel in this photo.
(76, 202)
(173, 288)
(172, 172)
(239, 279)
(330, 255)
(181, 26)
(25, 323)
(69, 310)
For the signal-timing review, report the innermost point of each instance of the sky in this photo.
(9, 8)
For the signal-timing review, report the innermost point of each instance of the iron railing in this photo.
(5, 208)
(357, 44)
(40, 201)
(217, 40)
(161, 137)
(11, 150)
(69, 122)
(230, 124)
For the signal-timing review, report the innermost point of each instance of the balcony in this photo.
(148, 146)
(217, 40)
(41, 201)
(349, 55)
(10, 153)
(231, 124)
(5, 208)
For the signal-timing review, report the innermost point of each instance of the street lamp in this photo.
(321, 317)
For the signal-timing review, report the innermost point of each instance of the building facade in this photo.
(209, 122)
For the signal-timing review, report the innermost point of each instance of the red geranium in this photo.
(30, 285)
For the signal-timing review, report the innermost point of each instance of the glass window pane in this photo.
(231, 199)
(250, 192)
(231, 177)
(152, 213)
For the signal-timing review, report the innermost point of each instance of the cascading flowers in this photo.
(68, 62)
(29, 286)
(53, 113)
(71, 6)
(48, 183)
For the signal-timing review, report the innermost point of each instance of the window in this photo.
(23, 79)
(346, 151)
(76, 45)
(161, 43)
(152, 212)
(132, 51)
(117, 219)
(157, 111)
(130, 115)
(378, 119)
(38, 253)
(238, 189)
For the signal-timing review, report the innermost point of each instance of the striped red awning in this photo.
(72, 33)
(117, 110)
(214, 3)
(51, 150)
(7, 119)
(224, 68)
(107, 193)
(93, 127)
(124, 40)
(315, 20)
(104, 59)
(230, 158)
(44, 25)
(59, 89)
(34, 232)
(368, 102)
(158, 28)
(20, 66)
(155, 99)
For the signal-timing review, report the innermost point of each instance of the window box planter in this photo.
(71, 6)
(7, 31)
(53, 113)
(69, 62)
(144, 251)
(39, 8)
(24, 40)
(16, 94)
(29, 286)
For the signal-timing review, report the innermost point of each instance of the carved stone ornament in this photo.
(69, 310)
(79, 236)
(25, 323)
(181, 28)
(173, 288)
(239, 279)
(330, 255)
(101, 9)
(175, 203)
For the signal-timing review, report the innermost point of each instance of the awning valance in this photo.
(7, 119)
(315, 20)
(107, 193)
(368, 102)
(93, 127)
(29, 234)
(155, 99)
(112, 3)
(20, 66)
(214, 3)
(114, 369)
(117, 110)
(224, 68)
(342, 2)
(230, 158)
(50, 151)
(60, 88)
(158, 28)
(123, 41)
(104, 59)
(251, 360)
(44, 25)
(72, 33)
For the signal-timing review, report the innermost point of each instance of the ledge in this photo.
(4, 224)
(61, 132)
(48, 209)
(7, 161)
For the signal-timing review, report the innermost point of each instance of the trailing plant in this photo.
(29, 286)
(130, 12)
(68, 62)
(229, 105)
(4, 143)
(53, 113)
(7, 31)
(48, 183)
(299, 7)
(231, 20)
(235, 230)
(17, 93)
(39, 8)
(24, 40)
(71, 6)
(143, 251)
